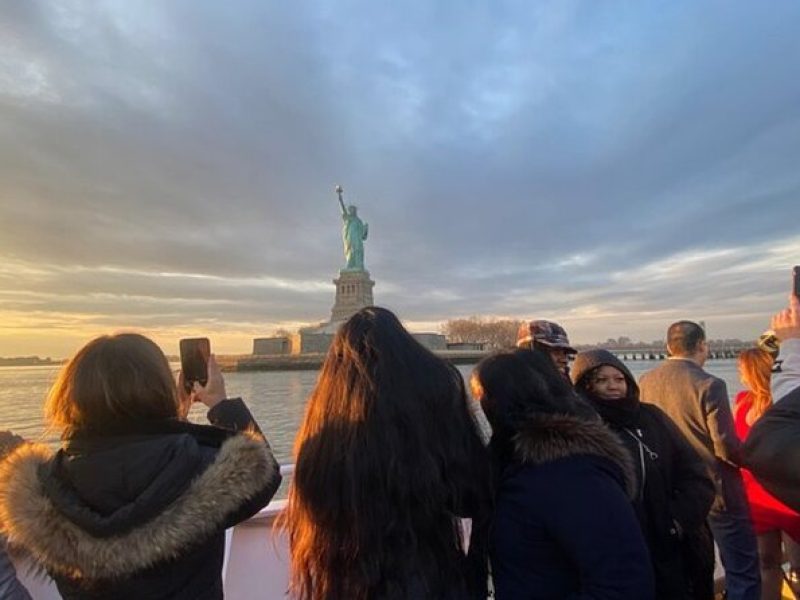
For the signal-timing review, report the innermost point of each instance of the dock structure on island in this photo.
(453, 353)
(717, 350)
(313, 361)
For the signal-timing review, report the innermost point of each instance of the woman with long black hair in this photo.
(563, 526)
(388, 462)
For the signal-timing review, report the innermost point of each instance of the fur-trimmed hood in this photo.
(549, 437)
(242, 468)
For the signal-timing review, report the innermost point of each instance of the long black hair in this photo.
(515, 385)
(387, 456)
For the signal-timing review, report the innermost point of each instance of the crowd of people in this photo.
(591, 485)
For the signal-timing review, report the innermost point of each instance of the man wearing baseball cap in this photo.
(549, 337)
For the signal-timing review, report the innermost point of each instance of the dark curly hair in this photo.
(514, 385)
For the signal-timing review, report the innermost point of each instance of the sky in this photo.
(169, 167)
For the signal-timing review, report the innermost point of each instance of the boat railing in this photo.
(256, 562)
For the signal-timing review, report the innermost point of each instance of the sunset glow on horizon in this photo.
(170, 168)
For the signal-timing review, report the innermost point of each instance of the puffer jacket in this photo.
(139, 515)
(674, 492)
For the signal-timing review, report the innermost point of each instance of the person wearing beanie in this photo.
(673, 492)
(549, 337)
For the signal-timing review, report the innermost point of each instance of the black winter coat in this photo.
(563, 525)
(674, 492)
(772, 450)
(132, 516)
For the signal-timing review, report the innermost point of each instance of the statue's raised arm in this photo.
(339, 192)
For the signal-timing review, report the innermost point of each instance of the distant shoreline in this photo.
(312, 362)
(29, 361)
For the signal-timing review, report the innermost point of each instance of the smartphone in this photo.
(796, 278)
(194, 361)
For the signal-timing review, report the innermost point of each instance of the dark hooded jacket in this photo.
(673, 492)
(772, 450)
(139, 515)
(563, 526)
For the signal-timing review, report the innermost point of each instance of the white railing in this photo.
(256, 563)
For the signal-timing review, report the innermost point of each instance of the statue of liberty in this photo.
(354, 232)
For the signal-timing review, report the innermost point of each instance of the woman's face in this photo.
(608, 383)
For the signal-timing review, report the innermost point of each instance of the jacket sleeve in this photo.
(593, 522)
(772, 450)
(719, 420)
(692, 489)
(10, 587)
(260, 500)
(234, 415)
(786, 373)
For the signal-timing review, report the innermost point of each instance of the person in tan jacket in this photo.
(698, 404)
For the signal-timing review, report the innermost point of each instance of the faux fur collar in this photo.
(243, 466)
(551, 437)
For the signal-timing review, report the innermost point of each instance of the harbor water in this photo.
(276, 398)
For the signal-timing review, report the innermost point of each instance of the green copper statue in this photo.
(354, 232)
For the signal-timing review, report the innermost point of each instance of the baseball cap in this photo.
(543, 332)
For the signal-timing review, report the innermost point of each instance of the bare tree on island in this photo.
(495, 333)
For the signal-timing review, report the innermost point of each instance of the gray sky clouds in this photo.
(170, 166)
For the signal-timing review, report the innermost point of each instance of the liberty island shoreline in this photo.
(313, 361)
(231, 363)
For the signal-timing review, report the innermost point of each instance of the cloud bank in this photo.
(170, 166)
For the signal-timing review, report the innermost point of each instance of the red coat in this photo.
(768, 513)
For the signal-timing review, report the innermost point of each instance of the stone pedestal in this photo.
(353, 292)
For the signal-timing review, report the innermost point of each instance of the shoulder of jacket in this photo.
(549, 438)
(241, 468)
(653, 412)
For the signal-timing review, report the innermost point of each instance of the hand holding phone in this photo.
(213, 392)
